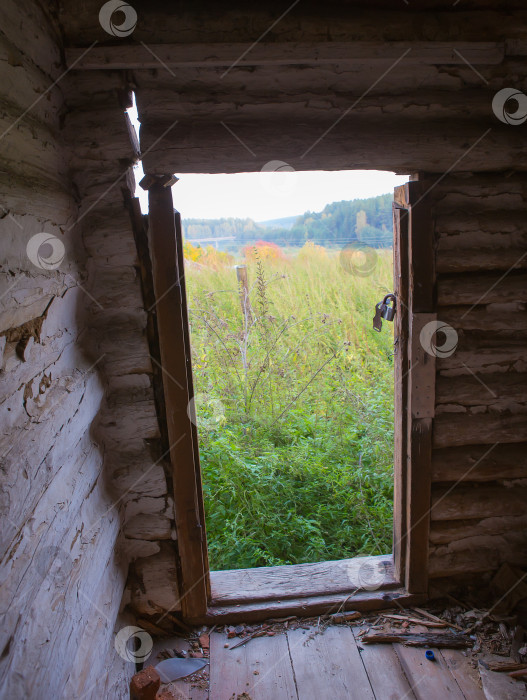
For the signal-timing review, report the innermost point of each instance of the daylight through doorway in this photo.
(293, 386)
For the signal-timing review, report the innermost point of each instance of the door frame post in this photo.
(164, 234)
(414, 272)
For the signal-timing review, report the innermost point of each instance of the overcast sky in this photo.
(271, 194)
(263, 196)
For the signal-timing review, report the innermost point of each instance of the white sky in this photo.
(270, 194)
(263, 196)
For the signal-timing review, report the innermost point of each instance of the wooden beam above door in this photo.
(229, 55)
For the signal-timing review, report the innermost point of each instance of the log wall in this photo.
(80, 445)
(120, 317)
(86, 485)
(479, 477)
(61, 579)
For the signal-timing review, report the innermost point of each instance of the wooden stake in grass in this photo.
(243, 286)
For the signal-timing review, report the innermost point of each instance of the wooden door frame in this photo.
(414, 395)
(414, 276)
(166, 252)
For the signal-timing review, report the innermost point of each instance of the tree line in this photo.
(366, 220)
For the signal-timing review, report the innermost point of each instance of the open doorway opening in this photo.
(293, 387)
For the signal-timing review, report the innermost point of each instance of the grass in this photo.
(294, 401)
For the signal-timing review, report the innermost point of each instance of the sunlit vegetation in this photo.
(295, 404)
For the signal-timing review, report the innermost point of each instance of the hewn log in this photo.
(373, 22)
(113, 680)
(69, 592)
(23, 82)
(39, 36)
(278, 54)
(464, 501)
(307, 100)
(43, 198)
(498, 390)
(484, 187)
(96, 90)
(29, 465)
(479, 463)
(468, 289)
(104, 234)
(454, 429)
(477, 555)
(462, 260)
(385, 144)
(98, 135)
(511, 196)
(148, 527)
(486, 317)
(486, 353)
(158, 582)
(450, 531)
(463, 224)
(136, 472)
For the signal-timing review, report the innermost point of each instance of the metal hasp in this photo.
(383, 311)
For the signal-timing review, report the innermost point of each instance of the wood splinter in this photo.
(429, 639)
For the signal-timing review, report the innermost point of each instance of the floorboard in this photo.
(385, 672)
(261, 668)
(303, 665)
(467, 677)
(328, 665)
(430, 680)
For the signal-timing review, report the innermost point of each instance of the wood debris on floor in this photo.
(458, 651)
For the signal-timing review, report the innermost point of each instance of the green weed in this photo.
(296, 412)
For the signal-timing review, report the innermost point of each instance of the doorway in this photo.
(258, 588)
(294, 387)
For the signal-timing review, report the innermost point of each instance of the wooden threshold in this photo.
(362, 583)
(301, 580)
(309, 607)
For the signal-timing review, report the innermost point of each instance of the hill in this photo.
(286, 222)
(366, 220)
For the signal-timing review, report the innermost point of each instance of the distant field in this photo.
(295, 407)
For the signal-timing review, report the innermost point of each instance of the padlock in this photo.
(388, 312)
(377, 319)
(384, 312)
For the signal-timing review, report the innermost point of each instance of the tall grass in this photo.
(295, 409)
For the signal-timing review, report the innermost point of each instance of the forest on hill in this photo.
(366, 220)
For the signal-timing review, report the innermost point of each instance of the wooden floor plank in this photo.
(430, 680)
(261, 668)
(384, 670)
(467, 677)
(328, 666)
